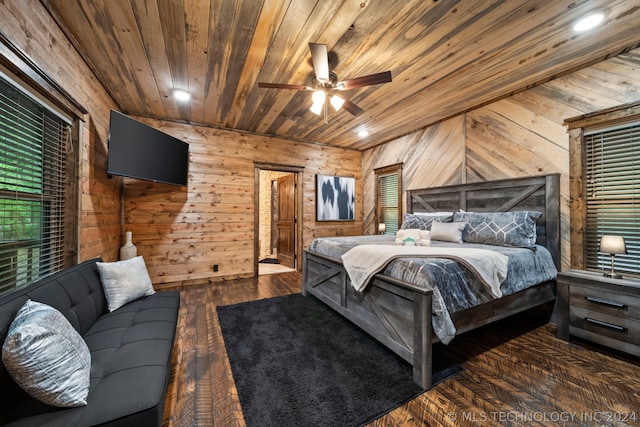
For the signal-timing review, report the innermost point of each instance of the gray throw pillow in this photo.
(448, 231)
(124, 281)
(515, 228)
(47, 357)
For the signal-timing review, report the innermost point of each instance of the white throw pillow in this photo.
(124, 281)
(448, 231)
(47, 357)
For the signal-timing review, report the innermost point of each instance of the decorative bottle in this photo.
(128, 250)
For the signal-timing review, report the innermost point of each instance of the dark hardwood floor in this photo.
(516, 372)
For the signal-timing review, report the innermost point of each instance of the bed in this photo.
(400, 313)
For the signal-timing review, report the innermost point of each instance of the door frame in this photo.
(297, 171)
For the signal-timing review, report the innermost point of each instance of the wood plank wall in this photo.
(431, 157)
(517, 136)
(28, 25)
(183, 231)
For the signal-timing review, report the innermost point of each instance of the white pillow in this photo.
(124, 281)
(448, 231)
(47, 357)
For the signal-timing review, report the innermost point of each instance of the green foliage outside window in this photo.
(32, 161)
(21, 177)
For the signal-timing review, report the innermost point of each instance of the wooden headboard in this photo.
(535, 193)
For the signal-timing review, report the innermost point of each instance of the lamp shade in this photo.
(316, 108)
(382, 227)
(337, 102)
(318, 97)
(613, 245)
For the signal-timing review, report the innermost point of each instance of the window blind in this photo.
(389, 209)
(33, 143)
(612, 166)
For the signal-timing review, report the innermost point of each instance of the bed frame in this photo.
(397, 313)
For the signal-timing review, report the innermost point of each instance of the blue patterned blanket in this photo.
(454, 287)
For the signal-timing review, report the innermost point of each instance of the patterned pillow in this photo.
(423, 220)
(516, 228)
(47, 357)
(124, 281)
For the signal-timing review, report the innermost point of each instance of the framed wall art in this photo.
(335, 198)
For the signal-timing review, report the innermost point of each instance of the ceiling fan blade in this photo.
(283, 86)
(372, 79)
(351, 107)
(320, 61)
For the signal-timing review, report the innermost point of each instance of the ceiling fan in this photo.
(325, 83)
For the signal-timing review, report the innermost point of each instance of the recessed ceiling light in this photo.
(363, 133)
(588, 22)
(181, 95)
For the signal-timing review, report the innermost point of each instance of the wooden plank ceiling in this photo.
(445, 56)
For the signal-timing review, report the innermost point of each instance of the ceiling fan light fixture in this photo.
(324, 82)
(316, 108)
(337, 102)
(319, 97)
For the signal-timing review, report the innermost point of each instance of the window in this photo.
(33, 161)
(389, 198)
(612, 187)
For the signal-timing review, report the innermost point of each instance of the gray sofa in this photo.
(131, 350)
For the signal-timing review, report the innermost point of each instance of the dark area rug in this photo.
(296, 362)
(269, 261)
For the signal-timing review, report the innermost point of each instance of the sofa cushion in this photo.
(131, 359)
(47, 357)
(75, 292)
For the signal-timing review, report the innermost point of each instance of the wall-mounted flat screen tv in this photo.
(137, 150)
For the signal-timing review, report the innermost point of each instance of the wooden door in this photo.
(286, 221)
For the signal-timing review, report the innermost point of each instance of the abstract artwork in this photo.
(335, 198)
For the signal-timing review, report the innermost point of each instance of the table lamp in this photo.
(382, 227)
(612, 245)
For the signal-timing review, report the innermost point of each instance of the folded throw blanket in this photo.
(364, 261)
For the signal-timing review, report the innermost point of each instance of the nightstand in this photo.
(599, 309)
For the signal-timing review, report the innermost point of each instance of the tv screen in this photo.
(140, 151)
